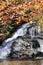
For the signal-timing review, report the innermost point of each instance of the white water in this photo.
(5, 49)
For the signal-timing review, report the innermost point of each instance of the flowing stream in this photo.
(5, 48)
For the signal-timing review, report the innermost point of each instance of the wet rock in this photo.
(21, 47)
(35, 44)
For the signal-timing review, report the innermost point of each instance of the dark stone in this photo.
(4, 0)
(35, 44)
(33, 55)
(1, 42)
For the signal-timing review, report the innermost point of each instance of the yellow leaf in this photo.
(36, 6)
(22, 12)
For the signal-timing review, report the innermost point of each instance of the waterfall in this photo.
(5, 49)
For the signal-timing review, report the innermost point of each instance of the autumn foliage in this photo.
(18, 10)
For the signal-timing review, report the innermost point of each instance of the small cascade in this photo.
(5, 48)
(21, 38)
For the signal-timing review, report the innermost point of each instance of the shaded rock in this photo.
(35, 44)
(21, 47)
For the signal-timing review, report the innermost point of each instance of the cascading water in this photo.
(5, 49)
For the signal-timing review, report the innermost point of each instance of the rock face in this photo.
(21, 45)
(22, 48)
